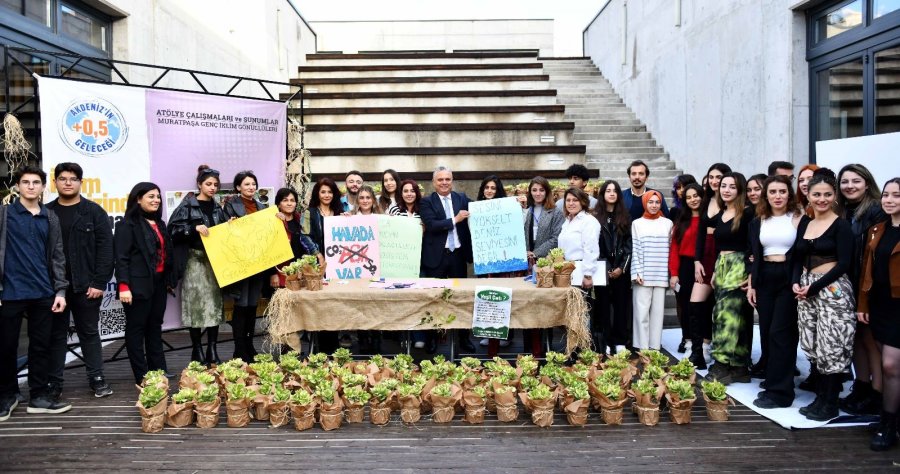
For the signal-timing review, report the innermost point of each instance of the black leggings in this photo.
(778, 332)
(615, 327)
(683, 296)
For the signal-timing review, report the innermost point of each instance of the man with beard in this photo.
(354, 181)
(638, 172)
(88, 246)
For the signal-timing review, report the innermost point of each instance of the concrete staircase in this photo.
(612, 135)
(506, 113)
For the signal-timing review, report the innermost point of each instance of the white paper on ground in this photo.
(745, 393)
(599, 276)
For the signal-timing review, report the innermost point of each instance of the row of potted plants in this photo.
(305, 272)
(329, 390)
(554, 270)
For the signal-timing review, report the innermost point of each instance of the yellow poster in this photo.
(247, 246)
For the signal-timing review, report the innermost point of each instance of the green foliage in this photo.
(442, 390)
(263, 357)
(580, 370)
(289, 363)
(617, 364)
(317, 360)
(624, 354)
(609, 389)
(401, 363)
(656, 357)
(381, 392)
(645, 386)
(264, 367)
(273, 378)
(233, 375)
(266, 389)
(340, 371)
(579, 390)
(151, 395)
(654, 372)
(541, 392)
(303, 398)
(208, 394)
(409, 390)
(527, 364)
(236, 363)
(480, 391)
(326, 393)
(588, 357)
(553, 372)
(506, 389)
(714, 390)
(342, 356)
(684, 369)
(528, 383)
(682, 389)
(310, 262)
(353, 380)
(439, 359)
(292, 268)
(557, 254)
(237, 391)
(543, 262)
(471, 362)
(195, 366)
(184, 395)
(205, 378)
(556, 358)
(378, 360)
(282, 394)
(357, 395)
(391, 384)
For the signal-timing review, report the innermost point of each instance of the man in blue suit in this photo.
(447, 243)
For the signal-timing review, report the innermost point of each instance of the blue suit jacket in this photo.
(437, 224)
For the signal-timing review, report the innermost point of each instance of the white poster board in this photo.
(878, 153)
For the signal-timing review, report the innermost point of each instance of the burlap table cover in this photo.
(355, 306)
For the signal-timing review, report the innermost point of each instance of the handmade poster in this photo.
(246, 246)
(351, 247)
(498, 239)
(490, 317)
(400, 243)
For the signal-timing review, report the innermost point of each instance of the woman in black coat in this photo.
(144, 274)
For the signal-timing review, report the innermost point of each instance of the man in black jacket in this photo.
(33, 281)
(88, 245)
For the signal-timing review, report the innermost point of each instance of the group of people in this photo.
(814, 260)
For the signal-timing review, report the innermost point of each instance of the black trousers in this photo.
(778, 330)
(683, 296)
(143, 332)
(243, 326)
(40, 324)
(86, 315)
(615, 326)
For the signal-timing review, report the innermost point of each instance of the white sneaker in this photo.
(707, 353)
(688, 345)
(620, 348)
(419, 344)
(504, 343)
(483, 343)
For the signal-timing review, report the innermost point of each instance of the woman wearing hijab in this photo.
(650, 271)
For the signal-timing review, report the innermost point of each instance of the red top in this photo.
(249, 205)
(685, 248)
(161, 264)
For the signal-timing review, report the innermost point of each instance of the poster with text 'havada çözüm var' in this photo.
(372, 247)
(498, 239)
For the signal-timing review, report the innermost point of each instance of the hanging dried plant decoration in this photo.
(297, 167)
(16, 148)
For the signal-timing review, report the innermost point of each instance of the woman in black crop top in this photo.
(825, 302)
(732, 314)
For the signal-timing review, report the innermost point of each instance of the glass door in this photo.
(840, 100)
(887, 90)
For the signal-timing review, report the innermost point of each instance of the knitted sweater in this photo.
(650, 250)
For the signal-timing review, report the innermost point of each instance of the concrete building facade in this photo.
(747, 82)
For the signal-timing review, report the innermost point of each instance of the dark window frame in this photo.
(863, 42)
(52, 35)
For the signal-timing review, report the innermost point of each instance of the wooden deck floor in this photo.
(104, 434)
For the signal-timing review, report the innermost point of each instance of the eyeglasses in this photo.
(36, 182)
(67, 180)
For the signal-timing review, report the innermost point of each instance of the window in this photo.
(840, 101)
(839, 19)
(80, 26)
(37, 10)
(882, 7)
(887, 90)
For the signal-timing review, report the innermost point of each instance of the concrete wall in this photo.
(263, 39)
(440, 35)
(721, 80)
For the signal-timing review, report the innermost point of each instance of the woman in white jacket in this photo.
(580, 235)
(649, 271)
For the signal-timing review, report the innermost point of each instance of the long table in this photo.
(351, 305)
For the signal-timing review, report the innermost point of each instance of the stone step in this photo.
(587, 124)
(523, 117)
(598, 157)
(560, 62)
(477, 135)
(573, 102)
(624, 115)
(606, 136)
(467, 162)
(424, 85)
(437, 101)
(580, 109)
(580, 127)
(419, 71)
(622, 166)
(574, 75)
(594, 150)
(599, 140)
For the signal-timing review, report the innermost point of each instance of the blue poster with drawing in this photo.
(498, 236)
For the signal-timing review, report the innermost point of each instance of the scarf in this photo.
(645, 198)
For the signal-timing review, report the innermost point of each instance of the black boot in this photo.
(238, 318)
(828, 408)
(250, 333)
(819, 390)
(212, 339)
(860, 397)
(886, 436)
(696, 315)
(812, 381)
(197, 345)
